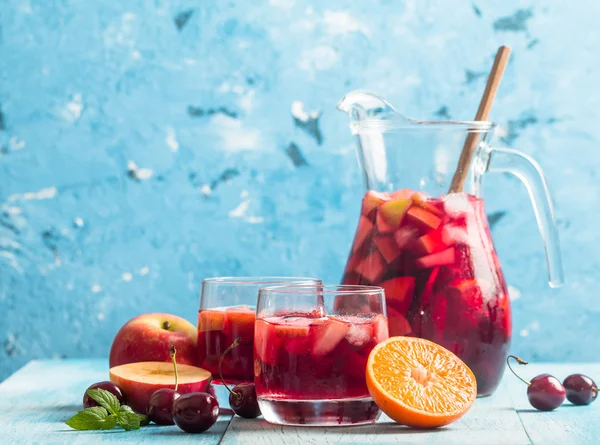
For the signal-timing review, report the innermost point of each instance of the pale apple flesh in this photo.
(139, 380)
(148, 337)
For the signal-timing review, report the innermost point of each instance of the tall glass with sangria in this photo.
(429, 249)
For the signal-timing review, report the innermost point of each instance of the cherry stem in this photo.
(235, 344)
(173, 353)
(520, 361)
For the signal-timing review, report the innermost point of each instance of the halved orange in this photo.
(419, 383)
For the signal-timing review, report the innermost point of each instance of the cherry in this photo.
(581, 390)
(242, 399)
(108, 386)
(544, 392)
(160, 405)
(195, 412)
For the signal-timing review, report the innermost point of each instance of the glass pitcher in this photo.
(431, 250)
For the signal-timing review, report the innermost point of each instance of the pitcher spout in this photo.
(360, 105)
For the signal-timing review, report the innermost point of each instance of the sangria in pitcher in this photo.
(431, 250)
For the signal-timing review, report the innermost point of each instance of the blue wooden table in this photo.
(35, 402)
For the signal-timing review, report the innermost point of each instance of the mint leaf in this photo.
(127, 419)
(105, 399)
(94, 418)
(144, 420)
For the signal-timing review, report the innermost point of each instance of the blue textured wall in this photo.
(148, 144)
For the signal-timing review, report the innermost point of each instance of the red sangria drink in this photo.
(227, 311)
(310, 359)
(441, 275)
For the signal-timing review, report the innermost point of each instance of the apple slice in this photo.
(398, 324)
(388, 247)
(365, 226)
(372, 267)
(422, 219)
(266, 342)
(328, 336)
(394, 211)
(211, 320)
(239, 322)
(380, 328)
(428, 244)
(399, 292)
(436, 259)
(383, 226)
(373, 200)
(421, 202)
(139, 380)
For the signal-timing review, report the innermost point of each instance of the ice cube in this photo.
(359, 334)
(457, 204)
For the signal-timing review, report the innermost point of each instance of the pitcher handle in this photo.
(530, 173)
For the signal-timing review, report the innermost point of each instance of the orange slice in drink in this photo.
(419, 383)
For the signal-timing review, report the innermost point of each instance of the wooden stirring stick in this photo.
(458, 180)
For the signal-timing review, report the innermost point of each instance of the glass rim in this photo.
(383, 124)
(323, 289)
(254, 281)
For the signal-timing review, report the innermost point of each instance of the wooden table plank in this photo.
(491, 421)
(36, 401)
(567, 425)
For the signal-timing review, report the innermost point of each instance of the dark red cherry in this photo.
(109, 386)
(243, 401)
(581, 390)
(545, 392)
(160, 406)
(195, 412)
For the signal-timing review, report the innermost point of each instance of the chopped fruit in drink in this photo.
(436, 259)
(380, 328)
(365, 226)
(405, 235)
(211, 320)
(239, 322)
(353, 262)
(422, 219)
(404, 193)
(372, 267)
(428, 244)
(397, 323)
(388, 248)
(327, 337)
(394, 211)
(266, 343)
(373, 200)
(421, 202)
(415, 390)
(399, 292)
(383, 226)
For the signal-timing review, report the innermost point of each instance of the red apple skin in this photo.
(147, 338)
(138, 386)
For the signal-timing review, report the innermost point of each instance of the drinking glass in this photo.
(227, 311)
(311, 351)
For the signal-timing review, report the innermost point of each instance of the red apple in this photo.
(147, 338)
(138, 381)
